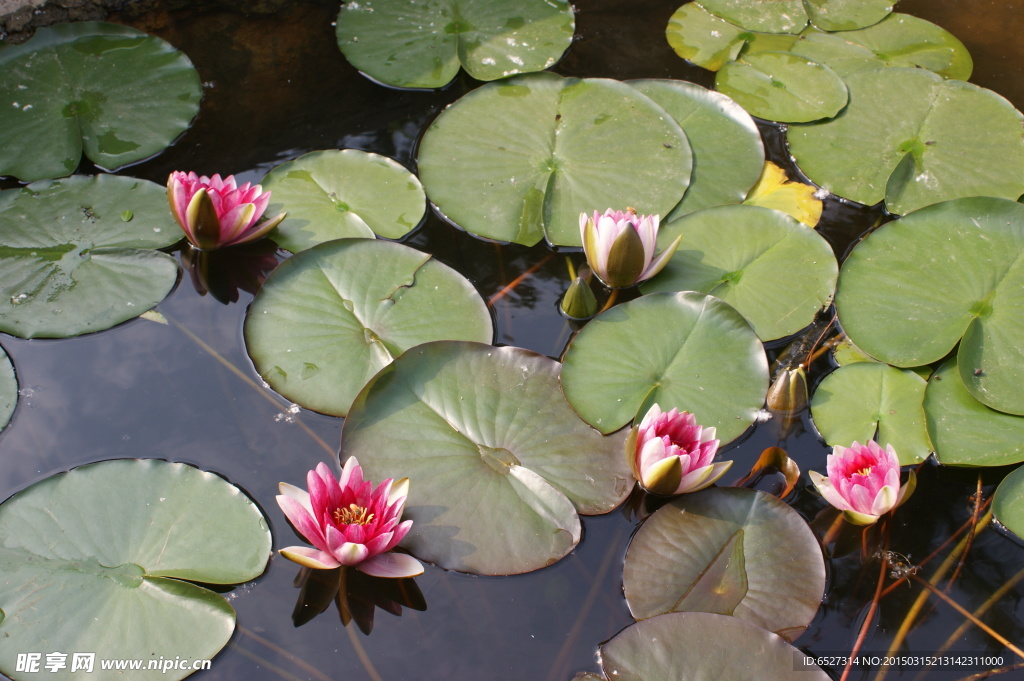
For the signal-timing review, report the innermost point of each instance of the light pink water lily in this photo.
(669, 453)
(863, 481)
(349, 522)
(214, 212)
(620, 246)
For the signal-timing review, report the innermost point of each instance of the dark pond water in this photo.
(277, 87)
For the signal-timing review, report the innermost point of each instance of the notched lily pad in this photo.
(700, 646)
(730, 551)
(111, 91)
(422, 44)
(70, 264)
(781, 86)
(775, 271)
(684, 350)
(93, 560)
(327, 319)
(1008, 502)
(563, 146)
(945, 139)
(339, 194)
(946, 274)
(500, 463)
(871, 401)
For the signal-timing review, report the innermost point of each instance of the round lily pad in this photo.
(770, 16)
(966, 432)
(520, 160)
(422, 44)
(344, 193)
(731, 551)
(76, 254)
(944, 139)
(111, 91)
(870, 401)
(93, 560)
(727, 150)
(775, 271)
(781, 86)
(329, 318)
(899, 40)
(686, 350)
(8, 389)
(946, 274)
(701, 646)
(847, 15)
(709, 41)
(1008, 502)
(499, 462)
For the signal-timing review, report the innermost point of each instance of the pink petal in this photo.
(304, 523)
(311, 558)
(393, 565)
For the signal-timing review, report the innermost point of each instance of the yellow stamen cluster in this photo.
(353, 515)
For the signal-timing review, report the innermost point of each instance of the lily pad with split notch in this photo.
(338, 194)
(775, 271)
(870, 401)
(731, 551)
(422, 44)
(948, 274)
(685, 350)
(96, 559)
(782, 86)
(117, 94)
(72, 261)
(500, 465)
(945, 139)
(327, 319)
(560, 147)
(727, 150)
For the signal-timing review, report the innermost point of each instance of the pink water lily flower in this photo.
(349, 522)
(214, 212)
(863, 481)
(669, 453)
(620, 246)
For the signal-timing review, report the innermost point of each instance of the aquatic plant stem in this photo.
(611, 300)
(922, 598)
(509, 287)
(292, 659)
(866, 624)
(357, 645)
(283, 673)
(970, 537)
(992, 672)
(966, 613)
(240, 374)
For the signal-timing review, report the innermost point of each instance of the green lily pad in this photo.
(93, 560)
(421, 45)
(847, 15)
(520, 160)
(775, 271)
(709, 41)
(728, 154)
(8, 389)
(768, 16)
(111, 91)
(683, 350)
(781, 86)
(70, 261)
(965, 431)
(1008, 502)
(731, 551)
(899, 40)
(495, 487)
(701, 646)
(327, 319)
(870, 401)
(946, 274)
(944, 139)
(337, 194)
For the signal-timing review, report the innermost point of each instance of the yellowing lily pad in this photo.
(422, 44)
(775, 190)
(102, 559)
(111, 91)
(520, 159)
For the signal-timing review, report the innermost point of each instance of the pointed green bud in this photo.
(626, 259)
(579, 301)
